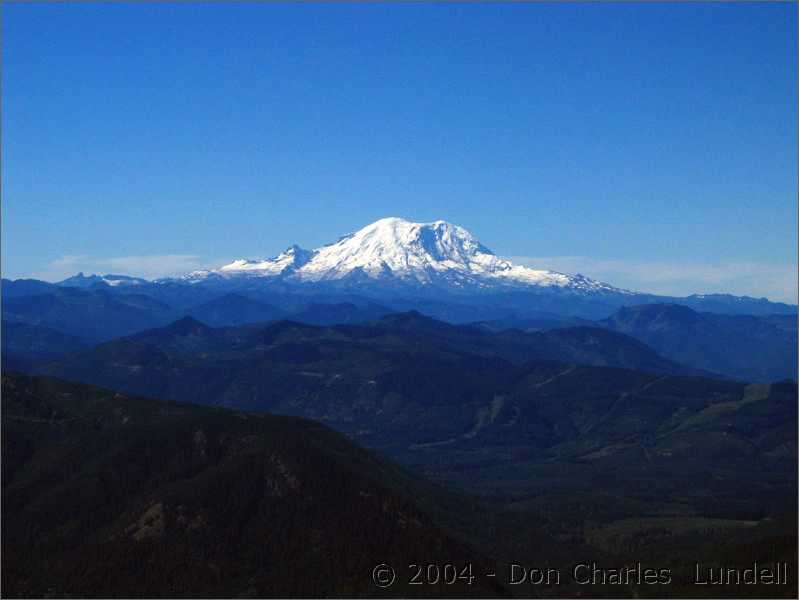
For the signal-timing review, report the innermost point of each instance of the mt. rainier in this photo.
(400, 252)
(437, 268)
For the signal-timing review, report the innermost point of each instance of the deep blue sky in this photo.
(657, 138)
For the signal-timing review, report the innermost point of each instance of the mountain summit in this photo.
(400, 251)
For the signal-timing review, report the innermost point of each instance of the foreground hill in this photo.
(109, 495)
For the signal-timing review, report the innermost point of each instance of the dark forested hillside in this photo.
(109, 495)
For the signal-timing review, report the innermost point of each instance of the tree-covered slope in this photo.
(109, 495)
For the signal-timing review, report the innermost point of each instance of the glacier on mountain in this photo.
(401, 251)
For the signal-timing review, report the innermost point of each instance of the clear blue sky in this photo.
(656, 140)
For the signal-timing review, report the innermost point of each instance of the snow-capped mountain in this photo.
(437, 268)
(283, 264)
(394, 250)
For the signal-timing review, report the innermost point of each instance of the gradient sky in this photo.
(651, 146)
